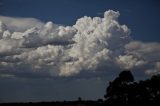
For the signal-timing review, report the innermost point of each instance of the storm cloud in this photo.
(31, 47)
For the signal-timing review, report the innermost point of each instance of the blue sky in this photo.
(24, 78)
(140, 16)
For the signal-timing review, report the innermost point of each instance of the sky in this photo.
(64, 49)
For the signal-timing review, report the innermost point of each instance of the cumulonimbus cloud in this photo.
(57, 50)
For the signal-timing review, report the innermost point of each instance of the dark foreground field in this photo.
(64, 103)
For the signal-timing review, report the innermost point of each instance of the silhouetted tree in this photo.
(117, 89)
(79, 99)
(123, 90)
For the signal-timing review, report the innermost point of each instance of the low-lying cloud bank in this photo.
(31, 47)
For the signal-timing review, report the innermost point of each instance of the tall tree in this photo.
(123, 90)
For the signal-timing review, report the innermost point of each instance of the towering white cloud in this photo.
(97, 40)
(28, 45)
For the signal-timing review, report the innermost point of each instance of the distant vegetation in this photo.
(123, 90)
